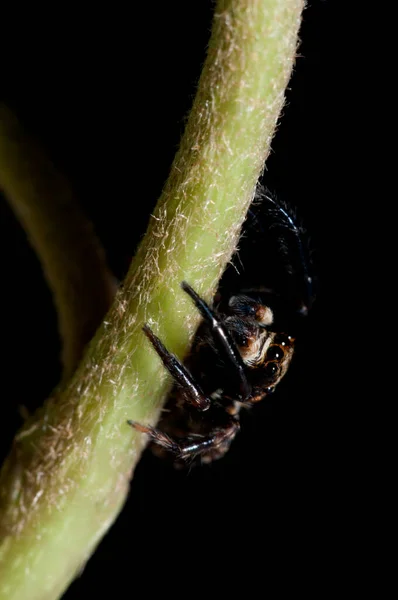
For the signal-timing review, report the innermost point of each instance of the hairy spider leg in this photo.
(190, 446)
(222, 338)
(192, 391)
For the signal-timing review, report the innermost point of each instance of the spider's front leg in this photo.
(214, 444)
(191, 389)
(223, 340)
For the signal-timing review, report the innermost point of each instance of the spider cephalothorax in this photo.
(238, 358)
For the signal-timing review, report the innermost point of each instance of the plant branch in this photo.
(72, 258)
(69, 471)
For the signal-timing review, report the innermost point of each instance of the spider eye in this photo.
(283, 340)
(270, 369)
(275, 352)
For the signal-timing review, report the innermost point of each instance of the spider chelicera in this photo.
(238, 357)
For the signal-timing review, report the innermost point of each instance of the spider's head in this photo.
(272, 364)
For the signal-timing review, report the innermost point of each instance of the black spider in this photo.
(240, 352)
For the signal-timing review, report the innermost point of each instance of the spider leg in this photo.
(222, 338)
(190, 446)
(192, 391)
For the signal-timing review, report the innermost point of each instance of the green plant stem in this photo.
(72, 258)
(69, 470)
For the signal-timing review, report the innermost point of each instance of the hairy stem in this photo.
(72, 258)
(69, 470)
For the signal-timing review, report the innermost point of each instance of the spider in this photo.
(240, 352)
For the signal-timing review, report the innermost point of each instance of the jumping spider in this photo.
(239, 354)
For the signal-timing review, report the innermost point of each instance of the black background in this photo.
(107, 95)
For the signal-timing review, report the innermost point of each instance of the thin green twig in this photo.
(72, 258)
